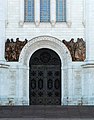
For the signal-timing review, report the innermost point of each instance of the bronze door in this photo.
(45, 79)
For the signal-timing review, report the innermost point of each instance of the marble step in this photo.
(43, 111)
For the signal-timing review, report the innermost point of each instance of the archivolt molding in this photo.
(45, 42)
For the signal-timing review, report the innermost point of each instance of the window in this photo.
(44, 10)
(29, 10)
(60, 10)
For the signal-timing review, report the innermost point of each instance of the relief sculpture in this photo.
(77, 49)
(13, 49)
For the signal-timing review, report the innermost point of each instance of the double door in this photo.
(45, 85)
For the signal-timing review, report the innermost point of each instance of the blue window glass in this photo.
(29, 10)
(60, 10)
(44, 10)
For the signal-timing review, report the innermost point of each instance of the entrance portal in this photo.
(45, 78)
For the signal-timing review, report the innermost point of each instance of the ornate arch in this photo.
(45, 42)
(57, 46)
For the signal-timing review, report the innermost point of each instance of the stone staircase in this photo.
(42, 111)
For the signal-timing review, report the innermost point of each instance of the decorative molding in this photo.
(53, 12)
(68, 13)
(84, 10)
(13, 49)
(21, 23)
(77, 49)
(37, 23)
(37, 12)
(88, 65)
(4, 66)
(84, 24)
(69, 23)
(21, 20)
(6, 23)
(53, 23)
(6, 13)
(44, 42)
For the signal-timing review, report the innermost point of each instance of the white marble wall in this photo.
(77, 77)
(77, 85)
(89, 31)
(2, 29)
(14, 85)
(72, 28)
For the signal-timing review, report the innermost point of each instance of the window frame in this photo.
(68, 14)
(62, 12)
(27, 16)
(49, 13)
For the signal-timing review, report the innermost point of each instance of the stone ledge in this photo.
(3, 65)
(88, 65)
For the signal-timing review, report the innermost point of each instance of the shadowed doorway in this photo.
(45, 78)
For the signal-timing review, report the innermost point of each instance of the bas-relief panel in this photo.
(77, 49)
(13, 49)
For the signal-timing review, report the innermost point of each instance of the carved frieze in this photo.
(77, 49)
(13, 49)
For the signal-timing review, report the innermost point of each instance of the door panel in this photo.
(45, 78)
(45, 86)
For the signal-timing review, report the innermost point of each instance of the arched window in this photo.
(44, 10)
(60, 10)
(29, 11)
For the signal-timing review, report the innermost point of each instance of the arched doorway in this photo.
(45, 78)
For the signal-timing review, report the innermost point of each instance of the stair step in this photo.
(43, 111)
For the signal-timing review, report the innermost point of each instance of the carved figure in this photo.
(13, 49)
(77, 49)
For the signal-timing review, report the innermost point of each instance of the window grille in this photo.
(29, 10)
(44, 10)
(60, 10)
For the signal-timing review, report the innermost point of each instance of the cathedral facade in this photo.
(46, 52)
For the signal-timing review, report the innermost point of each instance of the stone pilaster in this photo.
(88, 66)
(37, 12)
(89, 31)
(53, 12)
(2, 29)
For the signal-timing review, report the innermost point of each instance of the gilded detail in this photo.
(13, 49)
(77, 49)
